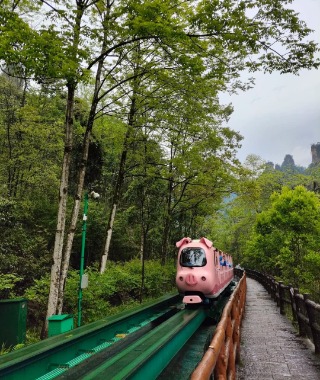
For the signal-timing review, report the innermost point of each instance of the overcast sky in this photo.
(281, 114)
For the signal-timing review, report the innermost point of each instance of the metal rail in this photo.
(133, 345)
(148, 356)
(54, 356)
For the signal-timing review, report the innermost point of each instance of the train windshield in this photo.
(193, 257)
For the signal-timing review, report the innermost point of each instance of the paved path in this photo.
(270, 348)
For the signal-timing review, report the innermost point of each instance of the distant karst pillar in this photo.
(315, 152)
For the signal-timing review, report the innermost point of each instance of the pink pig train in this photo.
(203, 271)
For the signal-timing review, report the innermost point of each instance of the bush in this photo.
(108, 293)
(8, 284)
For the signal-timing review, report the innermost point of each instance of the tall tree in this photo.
(286, 234)
(74, 27)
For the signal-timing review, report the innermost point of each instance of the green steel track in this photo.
(138, 344)
(52, 357)
(150, 354)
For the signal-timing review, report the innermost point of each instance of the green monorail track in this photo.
(54, 356)
(149, 355)
(138, 344)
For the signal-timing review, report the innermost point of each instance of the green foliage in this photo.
(43, 54)
(4, 350)
(37, 296)
(24, 245)
(31, 131)
(8, 283)
(233, 225)
(106, 294)
(159, 278)
(287, 237)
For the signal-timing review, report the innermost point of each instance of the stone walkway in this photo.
(270, 348)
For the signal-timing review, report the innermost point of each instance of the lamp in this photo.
(83, 279)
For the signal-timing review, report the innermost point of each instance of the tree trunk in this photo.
(61, 219)
(144, 227)
(120, 178)
(81, 177)
(115, 200)
(72, 227)
(141, 245)
(143, 249)
(167, 218)
(64, 182)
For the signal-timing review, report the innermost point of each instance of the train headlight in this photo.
(203, 278)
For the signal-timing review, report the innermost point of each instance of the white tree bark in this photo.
(63, 192)
(82, 170)
(62, 210)
(108, 239)
(71, 233)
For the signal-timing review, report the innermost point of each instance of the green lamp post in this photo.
(83, 244)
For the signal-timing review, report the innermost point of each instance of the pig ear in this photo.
(184, 240)
(207, 242)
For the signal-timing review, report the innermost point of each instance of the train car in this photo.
(203, 271)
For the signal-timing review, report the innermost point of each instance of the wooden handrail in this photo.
(224, 349)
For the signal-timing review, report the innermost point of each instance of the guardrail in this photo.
(299, 307)
(224, 350)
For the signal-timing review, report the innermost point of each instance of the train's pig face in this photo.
(198, 273)
(195, 265)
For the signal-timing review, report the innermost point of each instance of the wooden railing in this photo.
(224, 350)
(298, 307)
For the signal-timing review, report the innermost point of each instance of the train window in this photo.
(193, 257)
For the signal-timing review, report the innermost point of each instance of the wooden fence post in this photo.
(312, 309)
(281, 297)
(293, 304)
